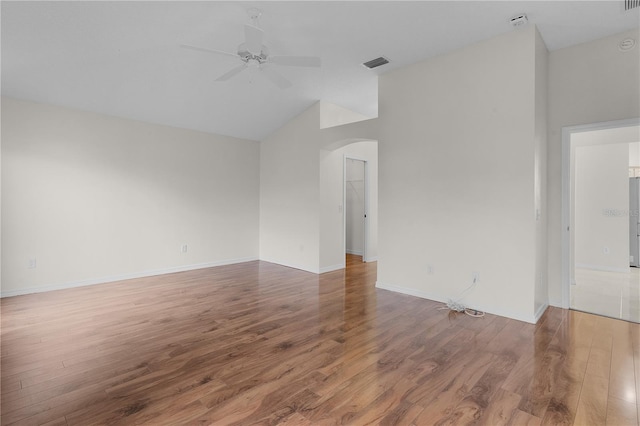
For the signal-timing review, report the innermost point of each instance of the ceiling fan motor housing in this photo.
(250, 58)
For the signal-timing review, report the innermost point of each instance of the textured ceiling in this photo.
(124, 58)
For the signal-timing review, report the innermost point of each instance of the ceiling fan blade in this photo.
(226, 76)
(253, 38)
(296, 61)
(204, 49)
(275, 77)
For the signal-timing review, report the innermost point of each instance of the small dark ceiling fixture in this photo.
(376, 62)
(519, 20)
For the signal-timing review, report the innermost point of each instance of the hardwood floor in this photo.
(257, 343)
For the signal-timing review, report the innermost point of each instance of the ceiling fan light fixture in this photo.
(247, 56)
(254, 13)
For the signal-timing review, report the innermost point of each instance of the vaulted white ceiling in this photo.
(124, 58)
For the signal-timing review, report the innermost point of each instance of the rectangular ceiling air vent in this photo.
(631, 4)
(377, 62)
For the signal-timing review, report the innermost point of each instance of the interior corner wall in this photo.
(332, 246)
(456, 166)
(0, 203)
(92, 198)
(540, 171)
(588, 83)
(290, 193)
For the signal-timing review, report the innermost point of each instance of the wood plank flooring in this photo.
(258, 343)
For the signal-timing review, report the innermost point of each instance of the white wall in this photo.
(540, 172)
(588, 83)
(95, 198)
(332, 115)
(602, 183)
(456, 146)
(290, 193)
(331, 187)
(634, 154)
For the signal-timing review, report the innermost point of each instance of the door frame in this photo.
(567, 233)
(365, 238)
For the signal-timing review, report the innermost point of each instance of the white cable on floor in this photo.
(455, 305)
(474, 313)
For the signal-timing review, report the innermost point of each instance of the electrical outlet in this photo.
(475, 276)
(31, 264)
(184, 248)
(606, 250)
(429, 269)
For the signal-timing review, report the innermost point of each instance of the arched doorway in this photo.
(338, 187)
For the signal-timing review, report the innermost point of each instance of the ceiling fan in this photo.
(252, 53)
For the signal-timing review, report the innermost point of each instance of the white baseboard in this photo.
(356, 252)
(489, 309)
(540, 312)
(602, 268)
(332, 268)
(372, 259)
(409, 291)
(556, 304)
(288, 265)
(121, 277)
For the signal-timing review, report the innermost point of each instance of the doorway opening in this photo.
(336, 185)
(356, 209)
(598, 276)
